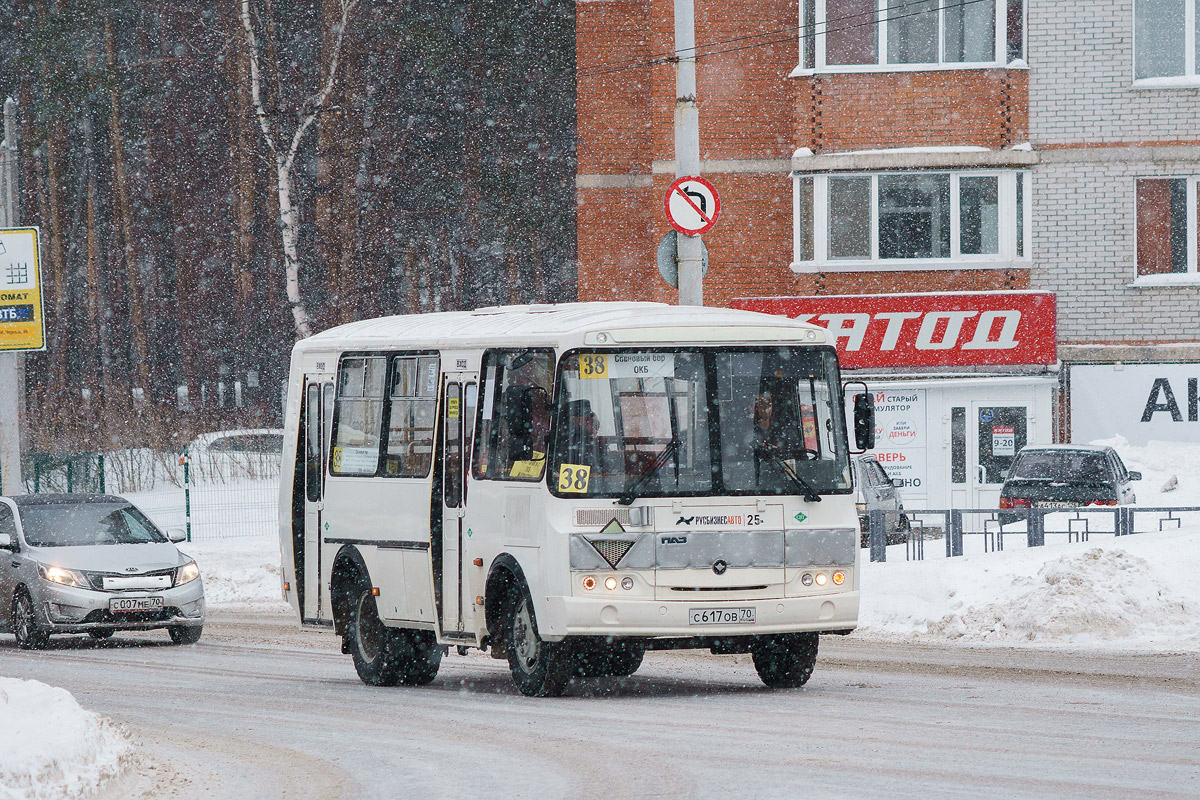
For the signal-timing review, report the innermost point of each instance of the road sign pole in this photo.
(687, 145)
(10, 362)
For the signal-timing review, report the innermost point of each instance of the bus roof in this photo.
(566, 323)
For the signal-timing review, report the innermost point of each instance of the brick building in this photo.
(999, 154)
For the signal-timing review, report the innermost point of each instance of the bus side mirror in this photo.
(864, 421)
(518, 412)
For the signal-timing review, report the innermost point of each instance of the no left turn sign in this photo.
(692, 205)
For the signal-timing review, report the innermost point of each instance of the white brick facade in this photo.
(1095, 133)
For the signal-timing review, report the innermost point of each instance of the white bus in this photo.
(568, 486)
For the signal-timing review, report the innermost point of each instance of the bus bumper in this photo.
(578, 616)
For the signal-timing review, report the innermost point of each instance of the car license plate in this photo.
(1054, 504)
(721, 616)
(121, 605)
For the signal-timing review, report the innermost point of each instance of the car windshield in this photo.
(1065, 466)
(82, 524)
(701, 421)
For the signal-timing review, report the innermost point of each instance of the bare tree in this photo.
(284, 149)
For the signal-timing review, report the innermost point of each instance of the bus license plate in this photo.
(120, 605)
(721, 616)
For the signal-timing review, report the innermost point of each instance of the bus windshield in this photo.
(677, 422)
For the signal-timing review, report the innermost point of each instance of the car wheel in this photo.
(101, 633)
(184, 634)
(539, 668)
(786, 662)
(30, 635)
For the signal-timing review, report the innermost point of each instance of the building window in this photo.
(1165, 39)
(1166, 227)
(861, 35)
(907, 220)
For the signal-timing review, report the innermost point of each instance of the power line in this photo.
(791, 31)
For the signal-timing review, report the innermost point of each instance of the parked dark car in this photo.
(875, 491)
(1065, 476)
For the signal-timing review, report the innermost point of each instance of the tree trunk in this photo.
(125, 212)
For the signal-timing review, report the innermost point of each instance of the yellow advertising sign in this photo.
(22, 324)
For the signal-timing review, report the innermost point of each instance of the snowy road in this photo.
(259, 709)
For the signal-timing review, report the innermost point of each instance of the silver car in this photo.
(876, 492)
(92, 563)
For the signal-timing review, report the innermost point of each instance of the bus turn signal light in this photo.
(839, 578)
(589, 583)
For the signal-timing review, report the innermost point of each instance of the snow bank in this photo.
(240, 573)
(52, 748)
(1138, 592)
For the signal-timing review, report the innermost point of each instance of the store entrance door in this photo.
(1000, 433)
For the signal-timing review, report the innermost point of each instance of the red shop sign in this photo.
(928, 330)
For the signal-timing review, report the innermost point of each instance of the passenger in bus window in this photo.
(579, 441)
(775, 428)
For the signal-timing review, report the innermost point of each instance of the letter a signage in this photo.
(692, 205)
(22, 326)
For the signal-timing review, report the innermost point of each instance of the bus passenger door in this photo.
(457, 419)
(317, 399)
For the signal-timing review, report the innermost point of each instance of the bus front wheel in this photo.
(786, 662)
(539, 668)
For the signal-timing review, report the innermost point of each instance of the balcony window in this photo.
(1166, 229)
(1165, 39)
(911, 220)
(865, 35)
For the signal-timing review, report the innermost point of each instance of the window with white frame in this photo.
(1166, 35)
(1166, 228)
(907, 220)
(863, 35)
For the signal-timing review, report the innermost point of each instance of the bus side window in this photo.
(358, 414)
(411, 421)
(514, 421)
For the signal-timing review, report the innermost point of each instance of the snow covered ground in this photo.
(51, 748)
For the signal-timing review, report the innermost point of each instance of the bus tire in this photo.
(371, 644)
(787, 661)
(539, 668)
(417, 655)
(624, 660)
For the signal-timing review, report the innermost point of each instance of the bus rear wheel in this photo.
(787, 661)
(539, 668)
(386, 656)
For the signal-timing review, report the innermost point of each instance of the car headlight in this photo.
(67, 577)
(187, 573)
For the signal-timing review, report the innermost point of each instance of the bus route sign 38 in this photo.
(22, 323)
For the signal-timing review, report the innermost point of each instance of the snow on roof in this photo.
(498, 324)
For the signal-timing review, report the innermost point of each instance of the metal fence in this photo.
(211, 495)
(951, 532)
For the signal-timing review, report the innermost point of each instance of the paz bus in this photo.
(568, 486)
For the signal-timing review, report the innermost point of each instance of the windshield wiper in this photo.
(629, 495)
(806, 488)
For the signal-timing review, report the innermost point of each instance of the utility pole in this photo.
(687, 146)
(11, 385)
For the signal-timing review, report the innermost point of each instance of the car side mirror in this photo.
(6, 541)
(864, 421)
(1135, 476)
(176, 534)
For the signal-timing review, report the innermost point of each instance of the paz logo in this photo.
(801, 516)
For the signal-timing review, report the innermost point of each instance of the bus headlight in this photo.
(627, 583)
(822, 579)
(610, 583)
